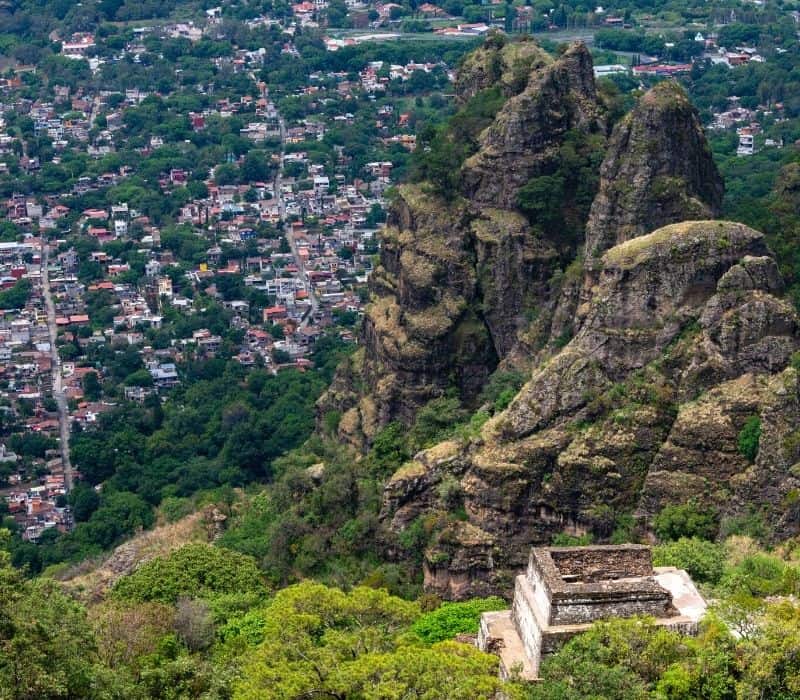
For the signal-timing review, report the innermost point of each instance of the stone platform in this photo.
(566, 589)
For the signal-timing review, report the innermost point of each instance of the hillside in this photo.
(309, 450)
(653, 342)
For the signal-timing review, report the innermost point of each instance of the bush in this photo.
(686, 520)
(762, 575)
(193, 571)
(194, 624)
(454, 618)
(173, 508)
(749, 437)
(703, 560)
(436, 420)
(501, 388)
(563, 539)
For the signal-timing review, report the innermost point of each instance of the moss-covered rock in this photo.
(658, 170)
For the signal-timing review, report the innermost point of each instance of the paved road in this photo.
(289, 233)
(58, 388)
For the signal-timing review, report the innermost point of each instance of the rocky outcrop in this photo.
(645, 359)
(645, 291)
(513, 265)
(459, 277)
(471, 281)
(681, 338)
(524, 139)
(658, 170)
(499, 64)
(421, 333)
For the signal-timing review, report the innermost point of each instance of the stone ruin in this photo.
(566, 589)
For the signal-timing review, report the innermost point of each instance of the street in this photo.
(58, 391)
(289, 233)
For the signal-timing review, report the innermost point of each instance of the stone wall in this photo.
(602, 563)
(577, 585)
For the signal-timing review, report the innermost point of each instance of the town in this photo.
(178, 192)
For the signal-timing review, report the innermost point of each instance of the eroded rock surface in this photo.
(681, 340)
(658, 170)
(524, 139)
(645, 359)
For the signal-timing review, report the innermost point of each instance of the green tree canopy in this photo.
(194, 570)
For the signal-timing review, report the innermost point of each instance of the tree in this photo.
(540, 200)
(435, 419)
(17, 296)
(125, 633)
(703, 560)
(119, 514)
(84, 501)
(194, 623)
(749, 438)
(92, 389)
(317, 641)
(46, 650)
(194, 570)
(226, 174)
(772, 661)
(686, 520)
(256, 167)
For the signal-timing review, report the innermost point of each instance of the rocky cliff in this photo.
(645, 359)
(508, 66)
(658, 170)
(459, 275)
(682, 339)
(524, 139)
(469, 281)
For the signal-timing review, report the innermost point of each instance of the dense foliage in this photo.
(451, 619)
(223, 638)
(224, 429)
(193, 570)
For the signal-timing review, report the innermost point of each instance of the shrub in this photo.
(749, 437)
(762, 575)
(686, 520)
(194, 571)
(703, 560)
(501, 388)
(562, 539)
(450, 492)
(751, 524)
(436, 421)
(451, 619)
(194, 624)
(173, 508)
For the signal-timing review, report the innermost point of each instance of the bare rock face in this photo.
(658, 170)
(458, 277)
(645, 291)
(680, 340)
(421, 332)
(524, 139)
(513, 266)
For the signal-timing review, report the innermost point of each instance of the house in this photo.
(164, 375)
(273, 314)
(746, 145)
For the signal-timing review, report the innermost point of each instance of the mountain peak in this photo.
(658, 170)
